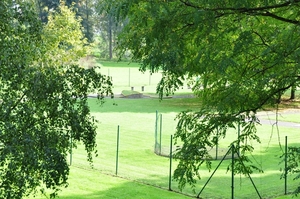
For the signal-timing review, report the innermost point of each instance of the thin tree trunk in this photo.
(87, 20)
(293, 93)
(110, 37)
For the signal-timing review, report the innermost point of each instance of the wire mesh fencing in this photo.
(139, 149)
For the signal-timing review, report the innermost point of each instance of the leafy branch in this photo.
(253, 11)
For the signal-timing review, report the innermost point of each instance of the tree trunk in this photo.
(87, 21)
(293, 93)
(110, 36)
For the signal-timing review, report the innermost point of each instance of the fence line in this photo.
(133, 154)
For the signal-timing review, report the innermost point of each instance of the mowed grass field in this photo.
(143, 174)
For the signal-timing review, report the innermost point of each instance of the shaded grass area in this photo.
(288, 104)
(287, 94)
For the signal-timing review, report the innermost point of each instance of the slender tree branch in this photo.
(268, 14)
(265, 100)
(241, 9)
(17, 102)
(258, 11)
(261, 38)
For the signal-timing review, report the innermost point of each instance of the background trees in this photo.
(87, 13)
(108, 29)
(82, 8)
(239, 57)
(101, 29)
(63, 38)
(42, 105)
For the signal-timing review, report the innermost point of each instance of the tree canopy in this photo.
(238, 55)
(42, 106)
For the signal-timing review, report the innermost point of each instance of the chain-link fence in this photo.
(127, 151)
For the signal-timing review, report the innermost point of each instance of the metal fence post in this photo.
(170, 168)
(71, 149)
(129, 77)
(217, 143)
(285, 166)
(155, 131)
(160, 131)
(117, 153)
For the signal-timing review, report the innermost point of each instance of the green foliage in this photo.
(42, 106)
(82, 8)
(239, 57)
(63, 39)
(201, 131)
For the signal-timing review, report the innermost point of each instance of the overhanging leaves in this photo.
(42, 106)
(238, 56)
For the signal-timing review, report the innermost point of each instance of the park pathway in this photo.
(280, 123)
(262, 117)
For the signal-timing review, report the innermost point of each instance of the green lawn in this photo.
(138, 165)
(140, 171)
(127, 76)
(86, 183)
(120, 64)
(147, 105)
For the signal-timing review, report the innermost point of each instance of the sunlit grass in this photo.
(139, 166)
(85, 183)
(138, 163)
(119, 64)
(147, 105)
